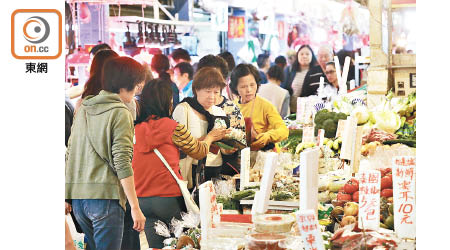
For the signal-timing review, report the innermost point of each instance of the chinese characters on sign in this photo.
(236, 27)
(369, 199)
(32, 67)
(404, 183)
(308, 226)
(209, 212)
(308, 134)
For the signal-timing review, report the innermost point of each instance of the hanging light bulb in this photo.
(128, 42)
(165, 40)
(150, 37)
(157, 40)
(177, 42)
(140, 42)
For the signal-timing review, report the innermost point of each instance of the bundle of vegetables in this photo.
(295, 138)
(406, 107)
(328, 121)
(407, 128)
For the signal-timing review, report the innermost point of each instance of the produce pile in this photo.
(328, 121)
(348, 198)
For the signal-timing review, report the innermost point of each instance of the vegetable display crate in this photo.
(276, 205)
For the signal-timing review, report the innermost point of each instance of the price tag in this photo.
(308, 226)
(262, 197)
(348, 139)
(308, 134)
(245, 168)
(309, 178)
(209, 210)
(369, 199)
(340, 128)
(404, 183)
(305, 107)
(320, 137)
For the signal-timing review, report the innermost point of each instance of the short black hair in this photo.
(242, 70)
(215, 62)
(262, 59)
(122, 73)
(230, 60)
(185, 67)
(180, 53)
(99, 47)
(155, 101)
(281, 60)
(276, 72)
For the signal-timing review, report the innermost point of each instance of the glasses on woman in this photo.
(330, 72)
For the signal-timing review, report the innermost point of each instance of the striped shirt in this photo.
(183, 139)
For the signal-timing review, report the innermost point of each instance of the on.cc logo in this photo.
(36, 34)
(36, 29)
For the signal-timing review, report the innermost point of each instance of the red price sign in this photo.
(404, 183)
(236, 27)
(369, 199)
(308, 134)
(309, 230)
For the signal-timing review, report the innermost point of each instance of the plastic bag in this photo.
(78, 238)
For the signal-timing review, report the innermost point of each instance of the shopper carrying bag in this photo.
(162, 194)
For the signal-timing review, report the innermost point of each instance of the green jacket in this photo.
(94, 167)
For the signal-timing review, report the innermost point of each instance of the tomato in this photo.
(356, 196)
(350, 188)
(386, 182)
(343, 197)
(388, 192)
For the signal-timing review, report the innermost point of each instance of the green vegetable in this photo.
(281, 196)
(330, 128)
(387, 121)
(408, 142)
(292, 117)
(242, 194)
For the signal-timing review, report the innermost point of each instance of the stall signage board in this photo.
(209, 210)
(236, 27)
(369, 199)
(308, 226)
(404, 183)
(219, 19)
(263, 195)
(304, 109)
(348, 139)
(245, 168)
(320, 137)
(340, 128)
(308, 134)
(309, 178)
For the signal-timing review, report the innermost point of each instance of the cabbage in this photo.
(387, 121)
(361, 113)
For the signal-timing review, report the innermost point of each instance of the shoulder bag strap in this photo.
(161, 157)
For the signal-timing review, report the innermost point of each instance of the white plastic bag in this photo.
(78, 238)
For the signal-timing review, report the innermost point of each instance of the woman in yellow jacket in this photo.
(264, 125)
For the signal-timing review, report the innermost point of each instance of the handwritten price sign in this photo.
(209, 212)
(404, 182)
(308, 226)
(369, 199)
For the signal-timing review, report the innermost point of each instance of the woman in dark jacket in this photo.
(295, 74)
